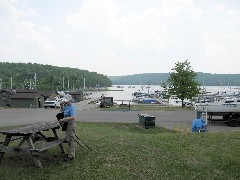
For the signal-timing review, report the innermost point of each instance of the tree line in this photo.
(204, 79)
(48, 77)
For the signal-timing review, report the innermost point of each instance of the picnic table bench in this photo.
(32, 134)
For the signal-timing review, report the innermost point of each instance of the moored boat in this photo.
(224, 105)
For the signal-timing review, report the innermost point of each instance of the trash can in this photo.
(146, 120)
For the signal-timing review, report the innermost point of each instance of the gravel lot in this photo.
(87, 113)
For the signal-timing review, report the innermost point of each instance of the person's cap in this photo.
(66, 98)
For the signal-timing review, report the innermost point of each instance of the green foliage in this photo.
(140, 79)
(205, 79)
(182, 81)
(49, 77)
(127, 151)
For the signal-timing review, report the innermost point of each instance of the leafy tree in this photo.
(48, 77)
(182, 81)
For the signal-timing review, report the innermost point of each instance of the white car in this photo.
(52, 103)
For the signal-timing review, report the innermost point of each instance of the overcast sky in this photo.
(122, 37)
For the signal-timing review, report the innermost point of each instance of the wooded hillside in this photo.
(206, 79)
(23, 75)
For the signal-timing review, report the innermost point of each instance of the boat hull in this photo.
(234, 108)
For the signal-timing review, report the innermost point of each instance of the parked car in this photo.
(52, 103)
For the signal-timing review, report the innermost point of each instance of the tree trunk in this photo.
(183, 104)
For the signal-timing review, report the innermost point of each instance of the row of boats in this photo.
(157, 98)
(144, 98)
(226, 107)
(223, 104)
(213, 102)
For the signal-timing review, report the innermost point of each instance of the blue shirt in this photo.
(69, 110)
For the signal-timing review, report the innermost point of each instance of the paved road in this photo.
(181, 120)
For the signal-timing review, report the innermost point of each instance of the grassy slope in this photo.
(127, 151)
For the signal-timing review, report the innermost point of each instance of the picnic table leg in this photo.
(41, 134)
(57, 137)
(36, 160)
(5, 143)
(20, 144)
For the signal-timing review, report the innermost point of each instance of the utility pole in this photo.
(11, 82)
(63, 83)
(35, 77)
(84, 83)
(229, 84)
(238, 86)
(30, 82)
(148, 89)
(0, 83)
(203, 83)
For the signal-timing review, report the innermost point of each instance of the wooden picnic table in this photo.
(33, 135)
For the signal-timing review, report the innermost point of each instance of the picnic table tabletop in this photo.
(31, 128)
(31, 134)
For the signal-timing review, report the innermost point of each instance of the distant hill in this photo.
(22, 76)
(206, 79)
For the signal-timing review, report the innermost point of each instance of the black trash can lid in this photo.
(145, 115)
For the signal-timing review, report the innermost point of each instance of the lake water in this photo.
(128, 90)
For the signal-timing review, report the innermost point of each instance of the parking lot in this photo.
(180, 120)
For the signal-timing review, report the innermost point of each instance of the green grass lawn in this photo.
(127, 151)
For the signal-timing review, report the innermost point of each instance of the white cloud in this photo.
(196, 14)
(22, 32)
(134, 29)
(46, 29)
(214, 49)
(234, 16)
(95, 14)
(68, 40)
(140, 29)
(219, 7)
(117, 37)
(28, 34)
(4, 51)
(10, 9)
